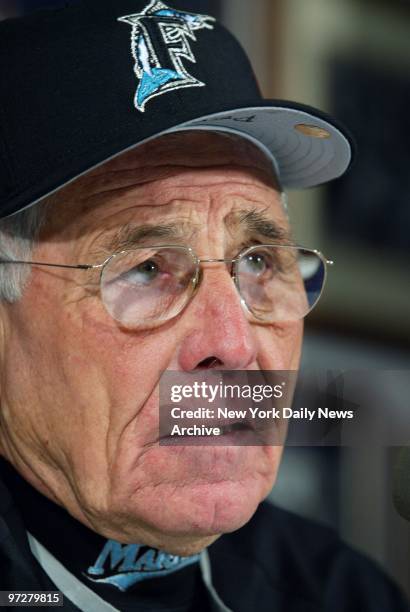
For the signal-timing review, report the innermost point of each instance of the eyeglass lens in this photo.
(280, 283)
(147, 286)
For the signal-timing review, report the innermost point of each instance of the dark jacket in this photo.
(278, 562)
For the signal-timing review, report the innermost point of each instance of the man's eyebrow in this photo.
(130, 236)
(258, 223)
(251, 224)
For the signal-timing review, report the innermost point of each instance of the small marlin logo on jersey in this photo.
(160, 41)
(123, 565)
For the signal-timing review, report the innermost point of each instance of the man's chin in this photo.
(187, 496)
(221, 507)
(189, 518)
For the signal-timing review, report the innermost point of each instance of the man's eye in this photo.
(144, 273)
(257, 264)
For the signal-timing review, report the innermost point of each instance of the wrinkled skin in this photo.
(79, 394)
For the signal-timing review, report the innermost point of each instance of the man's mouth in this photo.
(211, 432)
(235, 427)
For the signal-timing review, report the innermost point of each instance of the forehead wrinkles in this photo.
(153, 185)
(160, 197)
(230, 209)
(204, 205)
(144, 174)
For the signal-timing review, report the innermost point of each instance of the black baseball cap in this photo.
(85, 82)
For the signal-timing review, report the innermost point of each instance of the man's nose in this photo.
(218, 333)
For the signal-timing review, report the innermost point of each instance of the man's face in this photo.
(80, 392)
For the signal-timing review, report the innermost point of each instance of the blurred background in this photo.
(352, 59)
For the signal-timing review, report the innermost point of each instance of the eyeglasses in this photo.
(148, 286)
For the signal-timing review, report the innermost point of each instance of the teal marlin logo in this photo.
(160, 42)
(123, 565)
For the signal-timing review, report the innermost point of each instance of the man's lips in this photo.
(226, 425)
(233, 431)
(225, 429)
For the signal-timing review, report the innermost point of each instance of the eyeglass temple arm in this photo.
(50, 265)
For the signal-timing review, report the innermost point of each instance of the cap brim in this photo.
(307, 148)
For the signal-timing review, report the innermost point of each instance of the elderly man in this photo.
(146, 230)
